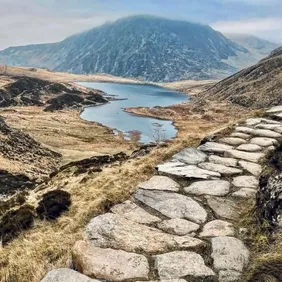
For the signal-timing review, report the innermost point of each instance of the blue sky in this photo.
(40, 21)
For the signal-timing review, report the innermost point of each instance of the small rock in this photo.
(190, 156)
(223, 207)
(132, 212)
(233, 141)
(269, 149)
(217, 228)
(252, 157)
(222, 169)
(187, 171)
(244, 129)
(66, 275)
(229, 276)
(263, 141)
(253, 168)
(266, 133)
(158, 182)
(208, 187)
(247, 193)
(252, 121)
(213, 147)
(114, 231)
(172, 205)
(245, 181)
(249, 148)
(229, 253)
(278, 129)
(109, 264)
(178, 226)
(268, 126)
(181, 264)
(223, 161)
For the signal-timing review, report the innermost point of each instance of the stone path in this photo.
(180, 224)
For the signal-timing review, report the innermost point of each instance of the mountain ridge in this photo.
(147, 47)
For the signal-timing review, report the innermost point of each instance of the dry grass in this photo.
(48, 245)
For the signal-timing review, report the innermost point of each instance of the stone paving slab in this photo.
(190, 156)
(223, 161)
(214, 147)
(249, 148)
(173, 205)
(263, 141)
(159, 182)
(251, 157)
(222, 169)
(218, 228)
(178, 226)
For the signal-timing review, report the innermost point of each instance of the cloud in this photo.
(270, 28)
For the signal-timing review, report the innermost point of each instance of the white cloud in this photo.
(270, 28)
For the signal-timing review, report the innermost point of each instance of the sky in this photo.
(40, 21)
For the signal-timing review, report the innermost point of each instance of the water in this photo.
(136, 95)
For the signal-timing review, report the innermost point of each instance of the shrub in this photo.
(53, 204)
(14, 221)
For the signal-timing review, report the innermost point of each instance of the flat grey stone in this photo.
(172, 205)
(252, 121)
(213, 147)
(240, 135)
(223, 161)
(268, 126)
(233, 141)
(181, 264)
(114, 231)
(278, 129)
(269, 149)
(208, 187)
(266, 133)
(178, 226)
(249, 148)
(253, 168)
(190, 156)
(131, 211)
(223, 207)
(109, 264)
(275, 109)
(217, 228)
(247, 156)
(229, 253)
(263, 141)
(159, 182)
(229, 276)
(222, 169)
(66, 275)
(247, 193)
(279, 116)
(245, 182)
(244, 129)
(187, 171)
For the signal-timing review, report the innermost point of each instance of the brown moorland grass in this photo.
(48, 244)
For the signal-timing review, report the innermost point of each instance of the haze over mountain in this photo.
(146, 47)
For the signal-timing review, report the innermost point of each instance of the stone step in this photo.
(222, 169)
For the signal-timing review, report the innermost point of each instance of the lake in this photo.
(136, 95)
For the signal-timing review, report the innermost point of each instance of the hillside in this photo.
(146, 47)
(258, 86)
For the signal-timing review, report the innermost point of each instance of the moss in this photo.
(53, 204)
(13, 222)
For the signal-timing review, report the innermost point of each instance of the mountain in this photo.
(147, 47)
(257, 46)
(258, 86)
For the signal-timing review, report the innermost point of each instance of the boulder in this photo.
(131, 211)
(109, 264)
(178, 226)
(66, 275)
(159, 182)
(234, 141)
(114, 231)
(213, 147)
(208, 187)
(223, 161)
(217, 228)
(229, 253)
(190, 156)
(222, 169)
(172, 205)
(182, 264)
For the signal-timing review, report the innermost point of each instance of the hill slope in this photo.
(257, 86)
(155, 49)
